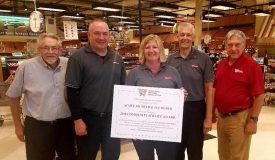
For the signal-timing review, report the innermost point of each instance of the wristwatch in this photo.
(254, 118)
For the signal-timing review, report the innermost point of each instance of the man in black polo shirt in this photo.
(197, 78)
(91, 74)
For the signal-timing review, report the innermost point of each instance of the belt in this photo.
(48, 122)
(223, 115)
(99, 114)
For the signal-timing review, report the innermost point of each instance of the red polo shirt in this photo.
(236, 85)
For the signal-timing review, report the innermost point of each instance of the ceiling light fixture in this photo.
(222, 5)
(169, 21)
(119, 16)
(272, 4)
(260, 12)
(213, 14)
(166, 24)
(5, 9)
(106, 7)
(134, 27)
(73, 16)
(208, 20)
(164, 7)
(46, 7)
(165, 15)
(127, 22)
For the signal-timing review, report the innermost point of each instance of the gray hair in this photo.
(186, 25)
(236, 33)
(48, 35)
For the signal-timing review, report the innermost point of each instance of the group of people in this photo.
(68, 101)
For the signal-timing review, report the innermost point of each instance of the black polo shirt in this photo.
(95, 77)
(195, 70)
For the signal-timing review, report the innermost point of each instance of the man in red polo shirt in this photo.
(239, 93)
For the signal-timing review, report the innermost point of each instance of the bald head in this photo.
(95, 22)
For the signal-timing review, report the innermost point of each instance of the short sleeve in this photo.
(131, 78)
(16, 87)
(257, 82)
(208, 71)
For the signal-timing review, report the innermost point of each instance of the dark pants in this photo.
(45, 140)
(165, 150)
(99, 131)
(192, 130)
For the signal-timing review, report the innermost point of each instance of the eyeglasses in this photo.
(50, 49)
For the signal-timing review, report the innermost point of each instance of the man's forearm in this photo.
(15, 110)
(209, 100)
(257, 105)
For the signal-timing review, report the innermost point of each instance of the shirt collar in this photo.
(47, 66)
(88, 49)
(239, 61)
(162, 65)
(191, 55)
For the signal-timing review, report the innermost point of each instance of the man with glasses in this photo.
(48, 130)
(197, 77)
(239, 93)
(91, 74)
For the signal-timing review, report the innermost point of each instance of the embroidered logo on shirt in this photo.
(238, 71)
(194, 66)
(167, 77)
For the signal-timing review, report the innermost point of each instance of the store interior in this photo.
(129, 21)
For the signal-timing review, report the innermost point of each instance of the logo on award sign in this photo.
(142, 92)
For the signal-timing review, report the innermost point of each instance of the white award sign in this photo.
(147, 113)
(70, 30)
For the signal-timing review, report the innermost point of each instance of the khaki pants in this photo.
(233, 143)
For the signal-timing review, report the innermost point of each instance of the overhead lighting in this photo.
(208, 20)
(119, 16)
(260, 12)
(272, 4)
(165, 15)
(222, 5)
(168, 21)
(127, 22)
(134, 27)
(213, 14)
(166, 24)
(72, 16)
(164, 7)
(46, 7)
(106, 7)
(5, 9)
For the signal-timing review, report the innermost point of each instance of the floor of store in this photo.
(262, 147)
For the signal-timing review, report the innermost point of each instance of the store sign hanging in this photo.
(70, 30)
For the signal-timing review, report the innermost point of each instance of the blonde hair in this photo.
(48, 35)
(236, 33)
(145, 41)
